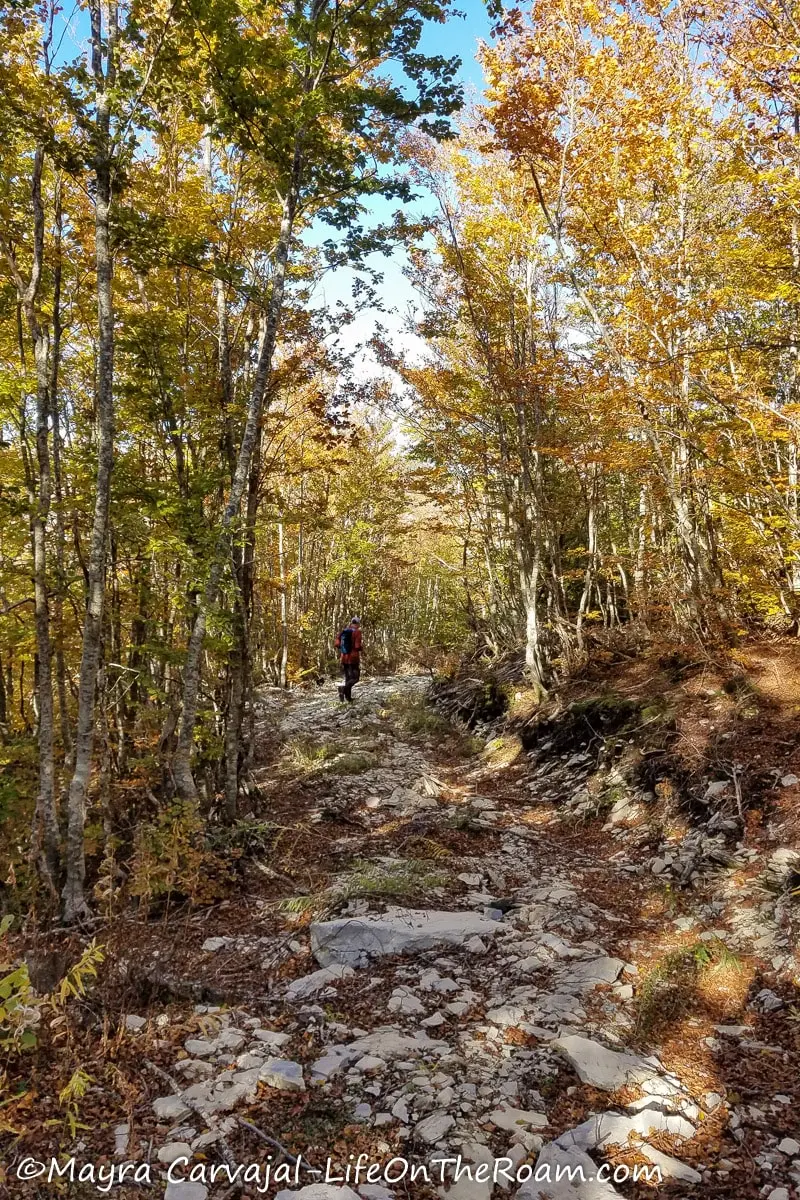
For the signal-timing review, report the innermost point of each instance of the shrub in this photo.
(171, 859)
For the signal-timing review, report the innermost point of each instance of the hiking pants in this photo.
(352, 674)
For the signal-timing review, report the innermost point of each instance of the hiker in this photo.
(348, 647)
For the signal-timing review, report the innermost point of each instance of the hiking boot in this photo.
(341, 693)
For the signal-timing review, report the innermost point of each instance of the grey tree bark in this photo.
(45, 840)
(103, 48)
(182, 761)
(58, 492)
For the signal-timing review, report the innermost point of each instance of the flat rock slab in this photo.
(309, 985)
(183, 1189)
(282, 1073)
(601, 1067)
(514, 1119)
(354, 940)
(390, 1043)
(318, 1191)
(174, 1150)
(170, 1108)
(271, 1037)
(327, 1067)
(582, 1171)
(433, 1128)
(467, 1189)
(594, 971)
(611, 1128)
(671, 1168)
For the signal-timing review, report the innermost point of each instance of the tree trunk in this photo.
(58, 493)
(74, 902)
(182, 763)
(284, 612)
(45, 841)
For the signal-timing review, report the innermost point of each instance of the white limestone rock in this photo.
(212, 944)
(122, 1134)
(318, 1191)
(433, 1128)
(605, 1129)
(601, 1067)
(200, 1047)
(433, 1021)
(587, 975)
(174, 1150)
(671, 1168)
(507, 1015)
(170, 1108)
(231, 1039)
(183, 1189)
(403, 1000)
(194, 1069)
(283, 1074)
(271, 1037)
(353, 940)
(327, 1067)
(310, 985)
(370, 1063)
(467, 1189)
(389, 1043)
(514, 1119)
(553, 1157)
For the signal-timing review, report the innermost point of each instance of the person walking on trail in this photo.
(348, 646)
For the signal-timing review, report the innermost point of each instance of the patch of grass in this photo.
(669, 989)
(367, 880)
(427, 848)
(400, 879)
(464, 822)
(416, 716)
(352, 762)
(321, 1122)
(502, 751)
(308, 755)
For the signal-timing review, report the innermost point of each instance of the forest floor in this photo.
(569, 946)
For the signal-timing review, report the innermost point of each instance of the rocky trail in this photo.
(457, 960)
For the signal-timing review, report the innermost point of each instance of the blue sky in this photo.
(458, 36)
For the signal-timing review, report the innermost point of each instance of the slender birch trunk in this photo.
(45, 840)
(284, 612)
(58, 492)
(182, 762)
(103, 47)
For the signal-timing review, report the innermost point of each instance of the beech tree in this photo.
(198, 485)
(301, 91)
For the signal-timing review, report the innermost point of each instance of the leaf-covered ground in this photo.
(613, 912)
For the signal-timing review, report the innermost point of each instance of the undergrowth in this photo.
(309, 756)
(368, 880)
(416, 716)
(669, 989)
